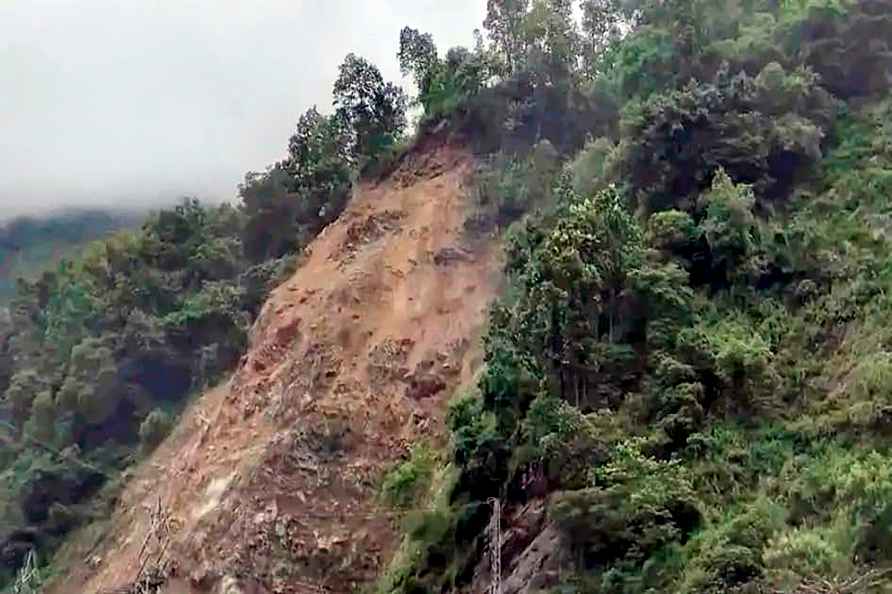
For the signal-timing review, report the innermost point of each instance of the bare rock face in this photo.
(538, 566)
(532, 553)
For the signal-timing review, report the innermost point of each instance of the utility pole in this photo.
(495, 546)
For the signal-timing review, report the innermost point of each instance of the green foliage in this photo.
(472, 428)
(673, 231)
(727, 554)
(743, 360)
(373, 109)
(418, 56)
(763, 131)
(24, 386)
(43, 418)
(504, 23)
(850, 486)
(588, 170)
(846, 43)
(404, 483)
(729, 224)
(636, 506)
(563, 441)
(507, 188)
(154, 429)
(270, 211)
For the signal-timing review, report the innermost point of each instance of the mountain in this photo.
(615, 320)
(30, 245)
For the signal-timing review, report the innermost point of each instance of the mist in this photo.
(131, 104)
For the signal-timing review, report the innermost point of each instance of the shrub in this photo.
(869, 402)
(684, 136)
(673, 231)
(154, 428)
(565, 441)
(636, 505)
(800, 553)
(729, 224)
(744, 362)
(854, 488)
(43, 417)
(404, 483)
(588, 170)
(728, 553)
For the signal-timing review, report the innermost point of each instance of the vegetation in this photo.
(691, 366)
(100, 352)
(30, 245)
(692, 358)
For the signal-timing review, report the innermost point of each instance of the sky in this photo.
(139, 102)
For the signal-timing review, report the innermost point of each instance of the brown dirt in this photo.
(272, 478)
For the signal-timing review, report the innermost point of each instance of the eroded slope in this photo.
(270, 481)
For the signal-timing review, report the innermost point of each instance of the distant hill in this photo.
(29, 245)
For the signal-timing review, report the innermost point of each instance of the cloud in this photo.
(110, 102)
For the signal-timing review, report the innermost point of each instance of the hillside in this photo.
(271, 478)
(31, 245)
(616, 320)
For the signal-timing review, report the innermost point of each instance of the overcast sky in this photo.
(136, 101)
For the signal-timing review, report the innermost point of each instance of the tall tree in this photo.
(418, 57)
(374, 109)
(504, 23)
(551, 39)
(602, 24)
(320, 164)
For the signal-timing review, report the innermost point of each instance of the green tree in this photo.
(504, 22)
(154, 429)
(92, 388)
(552, 40)
(602, 22)
(270, 212)
(636, 505)
(23, 388)
(374, 110)
(575, 280)
(729, 225)
(43, 417)
(418, 57)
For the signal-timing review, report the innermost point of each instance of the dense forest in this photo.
(692, 363)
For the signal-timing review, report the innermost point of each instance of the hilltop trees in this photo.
(505, 25)
(418, 56)
(375, 111)
(294, 199)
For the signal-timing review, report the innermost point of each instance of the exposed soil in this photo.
(271, 479)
